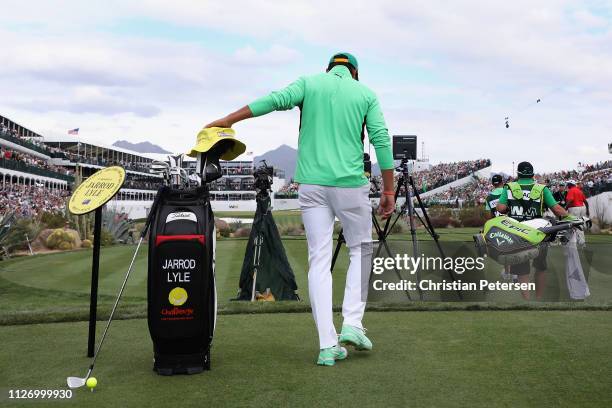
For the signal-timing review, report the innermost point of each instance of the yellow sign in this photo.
(96, 190)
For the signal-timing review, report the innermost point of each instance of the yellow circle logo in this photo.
(177, 296)
(96, 190)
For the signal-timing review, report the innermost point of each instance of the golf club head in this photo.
(75, 382)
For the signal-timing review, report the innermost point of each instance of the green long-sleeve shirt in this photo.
(334, 106)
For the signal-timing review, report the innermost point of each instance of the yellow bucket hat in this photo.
(209, 137)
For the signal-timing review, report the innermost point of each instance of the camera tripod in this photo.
(407, 182)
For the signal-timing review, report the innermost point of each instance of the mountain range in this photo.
(142, 147)
(283, 157)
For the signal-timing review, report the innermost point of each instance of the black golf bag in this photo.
(182, 304)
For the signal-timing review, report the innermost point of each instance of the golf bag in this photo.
(182, 304)
(511, 242)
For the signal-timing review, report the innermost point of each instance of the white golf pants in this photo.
(320, 205)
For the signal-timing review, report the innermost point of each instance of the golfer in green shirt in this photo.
(335, 107)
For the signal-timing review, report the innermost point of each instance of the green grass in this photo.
(431, 354)
(443, 359)
(55, 287)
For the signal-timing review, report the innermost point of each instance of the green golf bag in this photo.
(511, 242)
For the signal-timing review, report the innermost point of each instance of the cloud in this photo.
(275, 55)
(88, 100)
(448, 71)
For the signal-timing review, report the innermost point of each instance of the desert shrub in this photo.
(60, 239)
(86, 244)
(224, 232)
(398, 228)
(242, 232)
(442, 217)
(106, 237)
(53, 219)
(235, 226)
(118, 225)
(472, 216)
(64, 246)
(15, 237)
(291, 229)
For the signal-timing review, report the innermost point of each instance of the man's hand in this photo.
(222, 123)
(227, 122)
(386, 206)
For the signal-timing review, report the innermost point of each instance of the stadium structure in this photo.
(56, 163)
(39, 172)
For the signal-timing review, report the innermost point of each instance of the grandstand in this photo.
(85, 158)
(38, 174)
(593, 179)
(235, 190)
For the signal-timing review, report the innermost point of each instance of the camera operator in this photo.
(335, 107)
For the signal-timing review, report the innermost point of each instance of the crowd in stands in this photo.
(424, 180)
(233, 184)
(591, 182)
(438, 175)
(472, 193)
(141, 184)
(30, 143)
(289, 190)
(595, 179)
(18, 160)
(445, 173)
(235, 171)
(588, 168)
(31, 201)
(102, 161)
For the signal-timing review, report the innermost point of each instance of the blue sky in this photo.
(447, 71)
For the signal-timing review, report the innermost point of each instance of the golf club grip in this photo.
(557, 228)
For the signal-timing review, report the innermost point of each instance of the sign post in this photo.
(91, 195)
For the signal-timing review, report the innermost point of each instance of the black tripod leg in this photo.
(382, 243)
(397, 217)
(379, 232)
(430, 228)
(337, 250)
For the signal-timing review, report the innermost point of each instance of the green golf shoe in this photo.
(354, 336)
(328, 356)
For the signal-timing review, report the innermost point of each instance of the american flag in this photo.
(73, 131)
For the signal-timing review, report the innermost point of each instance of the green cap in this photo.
(344, 57)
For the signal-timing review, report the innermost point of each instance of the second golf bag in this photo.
(182, 304)
(511, 242)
